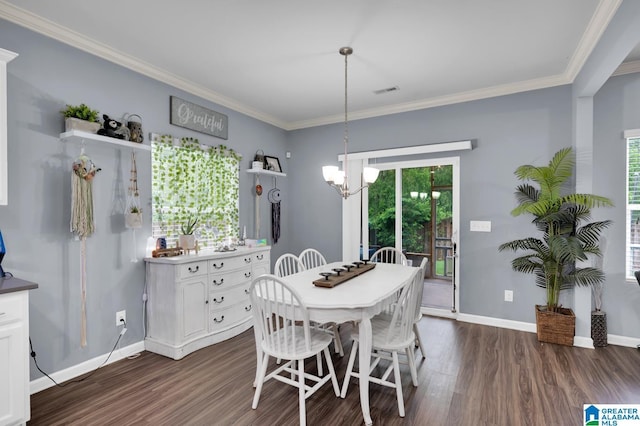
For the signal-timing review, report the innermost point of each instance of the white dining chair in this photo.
(418, 299)
(391, 334)
(312, 258)
(287, 264)
(282, 322)
(389, 255)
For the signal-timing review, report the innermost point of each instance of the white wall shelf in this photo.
(266, 172)
(77, 136)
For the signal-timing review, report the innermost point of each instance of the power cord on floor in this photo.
(33, 355)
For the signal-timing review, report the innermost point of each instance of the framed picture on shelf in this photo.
(272, 163)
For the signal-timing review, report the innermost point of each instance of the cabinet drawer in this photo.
(220, 280)
(231, 296)
(192, 269)
(262, 257)
(230, 316)
(229, 263)
(12, 308)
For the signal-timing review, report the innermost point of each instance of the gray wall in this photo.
(616, 108)
(506, 132)
(35, 225)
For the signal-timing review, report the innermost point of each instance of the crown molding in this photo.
(599, 21)
(627, 68)
(65, 35)
(456, 98)
(597, 25)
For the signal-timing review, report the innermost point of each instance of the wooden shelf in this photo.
(77, 136)
(266, 172)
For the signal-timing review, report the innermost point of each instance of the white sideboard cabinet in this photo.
(194, 301)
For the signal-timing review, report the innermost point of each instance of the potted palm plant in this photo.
(565, 239)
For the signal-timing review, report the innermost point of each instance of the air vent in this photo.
(387, 90)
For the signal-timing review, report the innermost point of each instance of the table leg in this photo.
(258, 337)
(364, 359)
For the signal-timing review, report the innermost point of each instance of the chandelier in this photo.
(339, 179)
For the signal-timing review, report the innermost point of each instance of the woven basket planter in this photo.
(555, 327)
(599, 329)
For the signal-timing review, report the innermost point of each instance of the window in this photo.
(633, 203)
(192, 181)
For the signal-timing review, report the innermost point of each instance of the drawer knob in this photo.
(218, 283)
(246, 291)
(215, 265)
(247, 260)
(260, 256)
(218, 320)
(206, 302)
(218, 301)
(247, 308)
(194, 270)
(247, 274)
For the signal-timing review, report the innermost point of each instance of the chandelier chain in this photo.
(346, 121)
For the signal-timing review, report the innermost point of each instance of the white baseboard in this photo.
(578, 341)
(43, 383)
(631, 342)
(498, 322)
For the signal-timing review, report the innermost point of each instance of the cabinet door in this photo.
(194, 308)
(13, 383)
(261, 269)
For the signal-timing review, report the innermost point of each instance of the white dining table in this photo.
(357, 299)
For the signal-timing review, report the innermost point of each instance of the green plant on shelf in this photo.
(82, 111)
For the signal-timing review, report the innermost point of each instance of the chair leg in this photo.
(347, 375)
(301, 393)
(419, 341)
(398, 383)
(260, 381)
(412, 366)
(319, 364)
(337, 341)
(332, 372)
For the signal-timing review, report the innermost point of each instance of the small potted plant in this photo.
(187, 240)
(133, 218)
(81, 117)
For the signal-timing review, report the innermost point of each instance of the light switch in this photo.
(480, 226)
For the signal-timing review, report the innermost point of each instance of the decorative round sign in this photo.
(258, 190)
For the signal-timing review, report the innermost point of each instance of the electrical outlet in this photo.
(508, 295)
(120, 317)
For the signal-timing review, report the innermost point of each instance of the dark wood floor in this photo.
(473, 375)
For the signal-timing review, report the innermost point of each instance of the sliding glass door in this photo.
(411, 207)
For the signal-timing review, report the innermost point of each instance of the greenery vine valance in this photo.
(194, 181)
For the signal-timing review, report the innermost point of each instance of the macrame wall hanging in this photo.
(133, 215)
(84, 170)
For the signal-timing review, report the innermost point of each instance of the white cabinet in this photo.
(14, 358)
(194, 301)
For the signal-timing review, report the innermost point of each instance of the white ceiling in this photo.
(278, 60)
